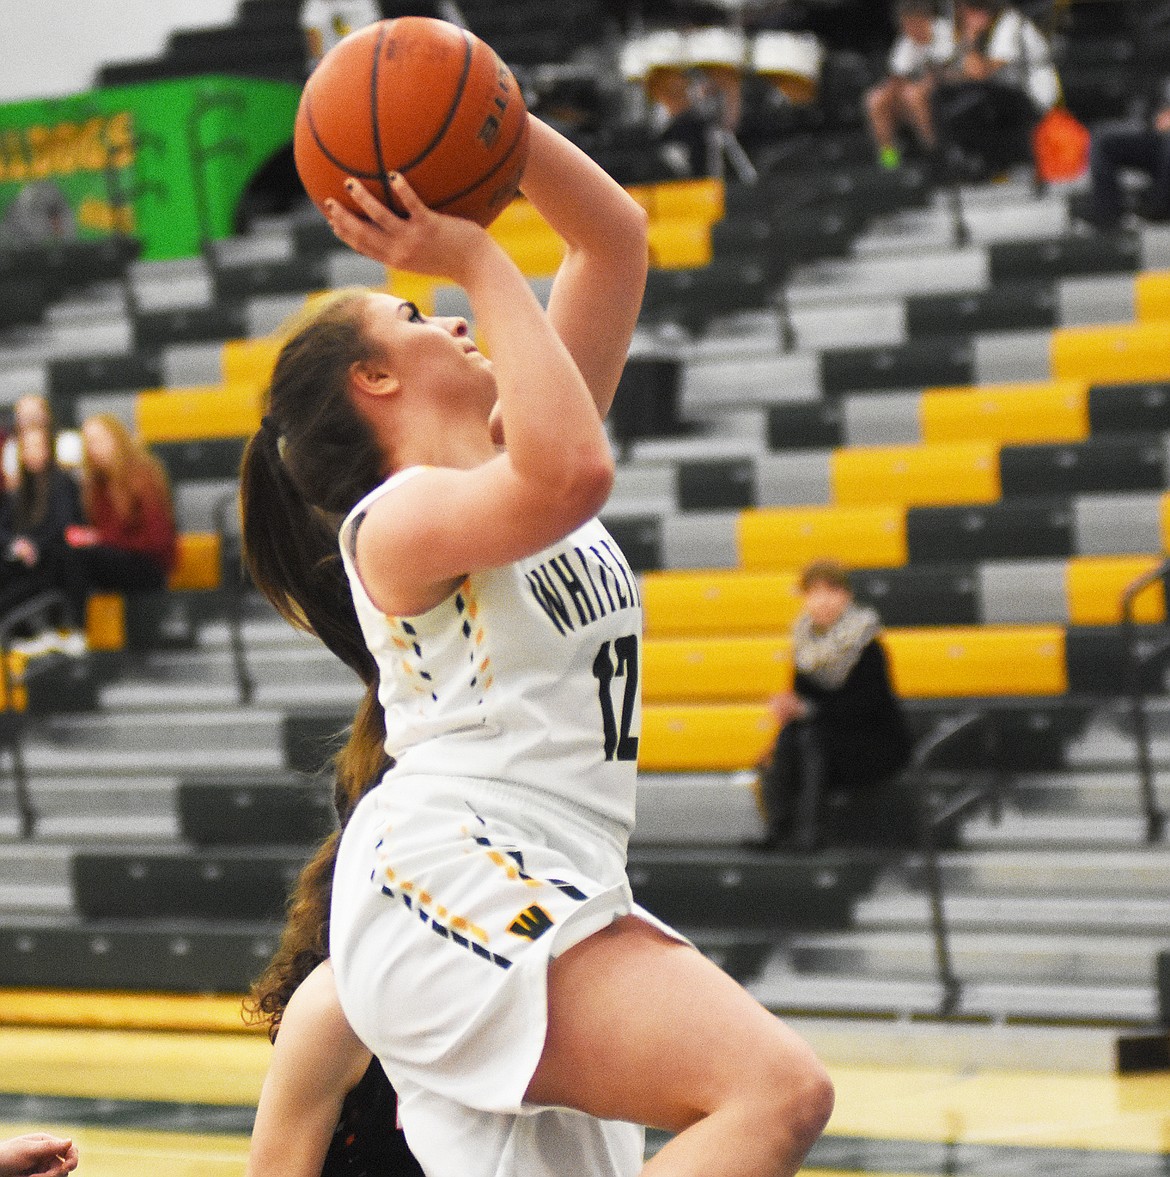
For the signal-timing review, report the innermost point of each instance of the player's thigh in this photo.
(645, 1028)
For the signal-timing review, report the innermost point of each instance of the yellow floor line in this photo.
(123, 1011)
(113, 1152)
(1128, 1113)
(224, 1069)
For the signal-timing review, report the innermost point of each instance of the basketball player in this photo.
(484, 940)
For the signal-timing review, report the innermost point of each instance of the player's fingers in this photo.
(405, 194)
(377, 212)
(355, 232)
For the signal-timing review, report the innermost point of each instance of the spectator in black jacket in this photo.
(34, 516)
(843, 734)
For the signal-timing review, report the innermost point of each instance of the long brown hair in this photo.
(31, 492)
(313, 458)
(134, 476)
(304, 943)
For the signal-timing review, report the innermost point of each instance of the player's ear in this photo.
(373, 378)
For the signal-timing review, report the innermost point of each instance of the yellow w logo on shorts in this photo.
(531, 923)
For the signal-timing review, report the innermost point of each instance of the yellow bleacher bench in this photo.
(715, 738)
(680, 243)
(197, 569)
(791, 537)
(1096, 585)
(198, 414)
(249, 361)
(1152, 296)
(715, 670)
(916, 475)
(1112, 355)
(1010, 414)
(977, 661)
(719, 603)
(696, 200)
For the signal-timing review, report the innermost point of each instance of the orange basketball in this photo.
(421, 97)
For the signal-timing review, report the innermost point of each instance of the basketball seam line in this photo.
(382, 176)
(469, 51)
(488, 174)
(333, 159)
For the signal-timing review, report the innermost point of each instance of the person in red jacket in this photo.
(128, 543)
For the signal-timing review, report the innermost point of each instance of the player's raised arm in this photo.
(598, 290)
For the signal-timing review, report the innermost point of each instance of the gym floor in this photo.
(145, 1102)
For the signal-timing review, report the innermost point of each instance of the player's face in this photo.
(825, 603)
(436, 350)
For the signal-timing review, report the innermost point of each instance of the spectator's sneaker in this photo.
(70, 642)
(35, 646)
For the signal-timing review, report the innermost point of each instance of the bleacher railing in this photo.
(37, 608)
(225, 506)
(984, 787)
(1141, 662)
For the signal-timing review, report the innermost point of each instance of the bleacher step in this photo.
(1131, 873)
(855, 993)
(1091, 792)
(30, 898)
(951, 1046)
(33, 864)
(1013, 220)
(985, 956)
(696, 808)
(1018, 829)
(1070, 914)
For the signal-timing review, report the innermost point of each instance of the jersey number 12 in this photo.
(622, 663)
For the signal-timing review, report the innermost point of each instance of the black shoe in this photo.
(1083, 210)
(1154, 212)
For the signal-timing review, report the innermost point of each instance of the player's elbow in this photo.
(588, 480)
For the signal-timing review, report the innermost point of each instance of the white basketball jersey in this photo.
(528, 673)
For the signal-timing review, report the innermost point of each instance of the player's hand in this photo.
(423, 242)
(1162, 121)
(37, 1155)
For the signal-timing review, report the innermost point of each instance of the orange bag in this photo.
(1060, 145)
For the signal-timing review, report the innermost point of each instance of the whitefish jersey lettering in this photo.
(529, 673)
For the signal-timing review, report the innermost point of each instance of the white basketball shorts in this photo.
(450, 897)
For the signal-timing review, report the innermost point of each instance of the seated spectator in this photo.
(32, 411)
(1142, 146)
(37, 1154)
(35, 513)
(925, 46)
(843, 734)
(987, 106)
(128, 543)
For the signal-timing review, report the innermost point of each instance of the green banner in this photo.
(165, 162)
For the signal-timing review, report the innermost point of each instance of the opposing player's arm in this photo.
(316, 1061)
(598, 289)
